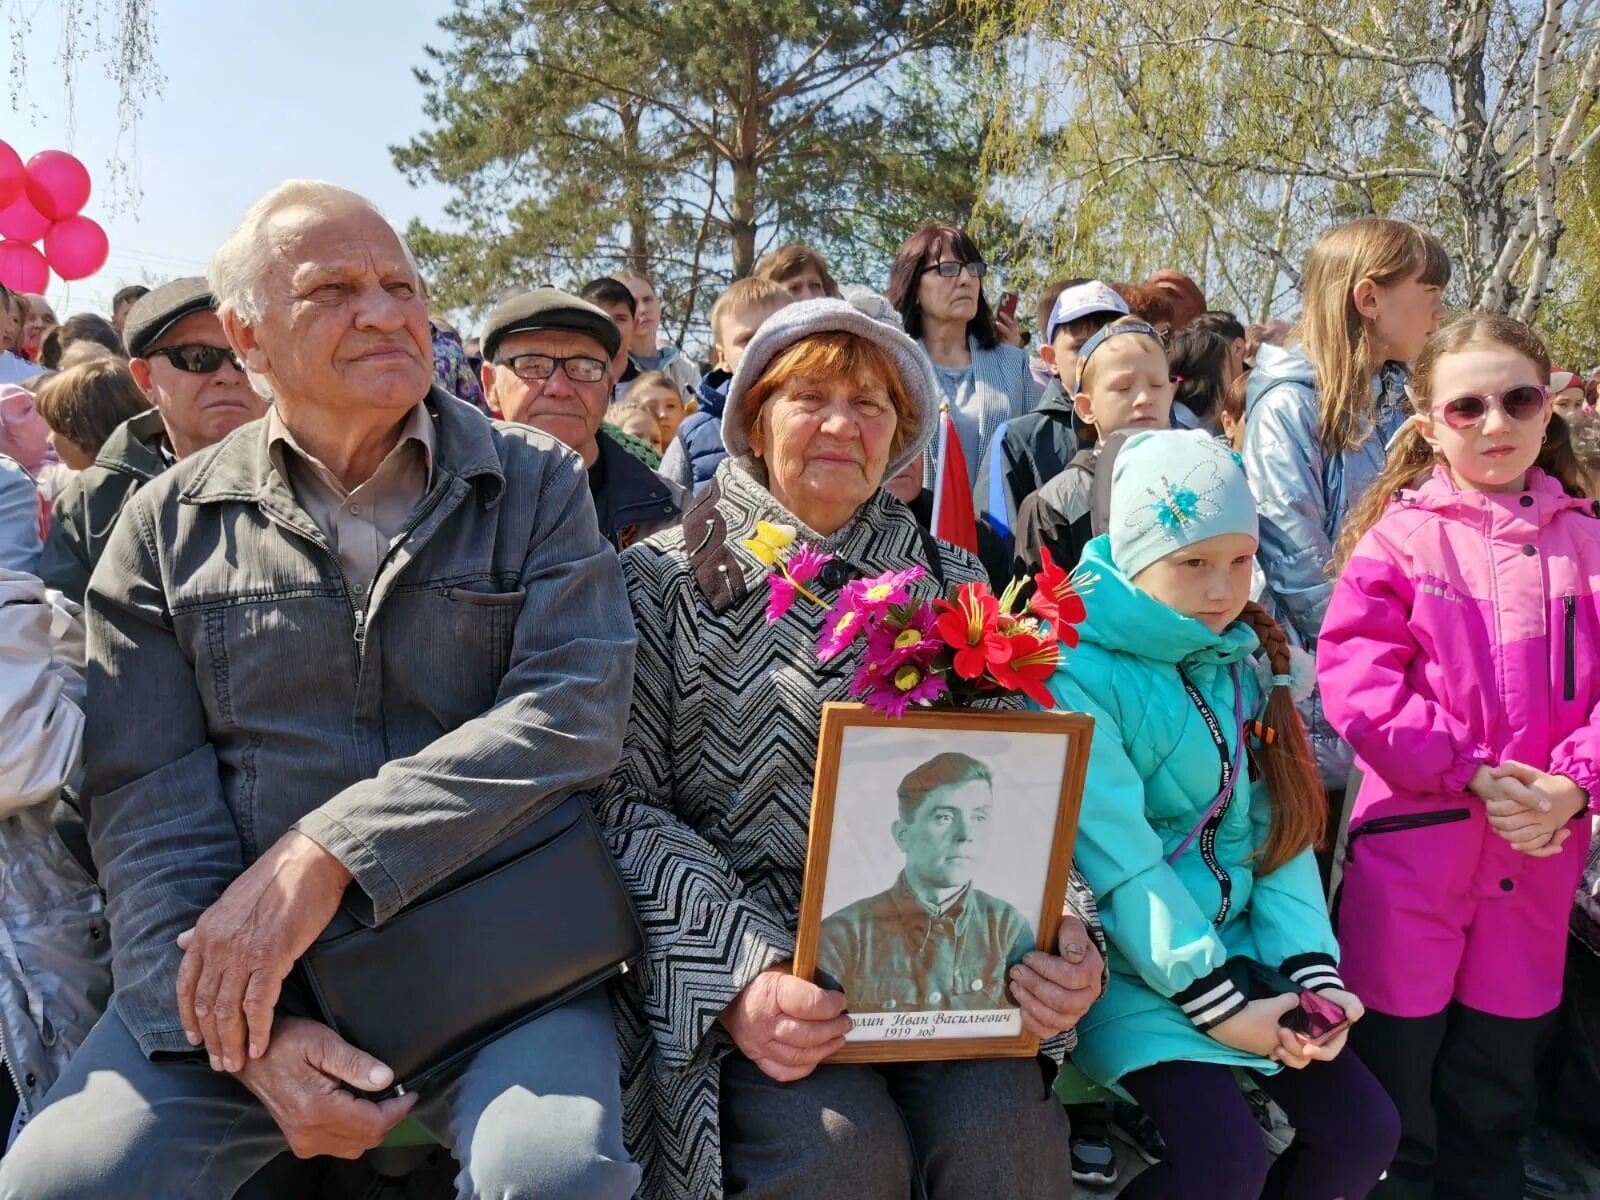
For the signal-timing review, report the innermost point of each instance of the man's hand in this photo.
(786, 1025)
(300, 1082)
(239, 951)
(1055, 990)
(1532, 809)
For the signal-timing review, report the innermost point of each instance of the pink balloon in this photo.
(76, 247)
(58, 184)
(23, 268)
(22, 222)
(12, 176)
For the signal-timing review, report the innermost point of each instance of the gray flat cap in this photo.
(157, 311)
(549, 308)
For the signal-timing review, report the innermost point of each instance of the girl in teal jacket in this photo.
(1199, 814)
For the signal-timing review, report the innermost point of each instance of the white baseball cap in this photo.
(1083, 300)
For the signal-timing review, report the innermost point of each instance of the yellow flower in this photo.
(907, 677)
(907, 638)
(769, 540)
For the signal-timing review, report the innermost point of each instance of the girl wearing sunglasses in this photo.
(1460, 657)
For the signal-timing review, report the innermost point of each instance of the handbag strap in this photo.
(1230, 766)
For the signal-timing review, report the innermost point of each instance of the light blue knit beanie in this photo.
(1171, 489)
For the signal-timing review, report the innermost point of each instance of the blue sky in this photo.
(255, 93)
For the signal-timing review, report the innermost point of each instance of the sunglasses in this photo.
(1522, 403)
(197, 359)
(949, 269)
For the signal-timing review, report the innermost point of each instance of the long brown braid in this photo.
(1299, 805)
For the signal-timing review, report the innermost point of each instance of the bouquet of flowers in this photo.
(942, 653)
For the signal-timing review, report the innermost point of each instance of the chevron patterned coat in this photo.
(708, 811)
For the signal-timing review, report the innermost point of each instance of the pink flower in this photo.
(892, 692)
(889, 644)
(873, 596)
(805, 564)
(788, 583)
(841, 628)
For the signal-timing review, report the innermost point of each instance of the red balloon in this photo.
(23, 268)
(58, 184)
(12, 176)
(22, 222)
(76, 247)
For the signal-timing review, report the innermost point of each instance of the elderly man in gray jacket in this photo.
(333, 659)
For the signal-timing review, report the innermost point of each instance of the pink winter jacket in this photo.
(1465, 629)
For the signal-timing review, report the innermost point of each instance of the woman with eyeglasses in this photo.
(936, 284)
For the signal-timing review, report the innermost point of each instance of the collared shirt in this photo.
(890, 953)
(360, 524)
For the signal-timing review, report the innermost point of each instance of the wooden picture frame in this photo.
(865, 926)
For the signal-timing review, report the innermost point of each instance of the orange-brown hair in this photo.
(1411, 459)
(834, 355)
(1299, 805)
(784, 263)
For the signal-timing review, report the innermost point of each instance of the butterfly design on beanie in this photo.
(1176, 505)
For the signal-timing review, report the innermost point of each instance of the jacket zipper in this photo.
(1570, 690)
(1398, 824)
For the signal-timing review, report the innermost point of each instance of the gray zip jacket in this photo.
(237, 690)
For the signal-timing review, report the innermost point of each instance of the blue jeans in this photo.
(536, 1113)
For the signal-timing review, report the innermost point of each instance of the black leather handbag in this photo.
(536, 921)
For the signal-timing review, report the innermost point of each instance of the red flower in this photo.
(971, 628)
(1033, 659)
(1056, 600)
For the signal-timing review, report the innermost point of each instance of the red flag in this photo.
(954, 518)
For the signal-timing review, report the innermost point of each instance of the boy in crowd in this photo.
(1122, 384)
(612, 297)
(691, 460)
(1030, 450)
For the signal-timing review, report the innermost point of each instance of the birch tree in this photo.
(1267, 120)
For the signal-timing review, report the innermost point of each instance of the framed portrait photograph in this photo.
(939, 852)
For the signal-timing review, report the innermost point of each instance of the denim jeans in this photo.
(537, 1113)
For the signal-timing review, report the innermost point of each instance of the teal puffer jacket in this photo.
(1154, 770)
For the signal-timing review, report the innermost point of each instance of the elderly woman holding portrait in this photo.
(726, 1088)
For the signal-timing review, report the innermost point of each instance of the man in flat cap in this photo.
(181, 359)
(333, 659)
(548, 362)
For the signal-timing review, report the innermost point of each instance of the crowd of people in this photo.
(308, 603)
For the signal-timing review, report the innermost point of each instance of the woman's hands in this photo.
(1054, 990)
(1531, 809)
(784, 1024)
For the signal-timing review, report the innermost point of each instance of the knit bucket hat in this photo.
(796, 322)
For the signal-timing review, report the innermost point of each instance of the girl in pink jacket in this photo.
(1459, 659)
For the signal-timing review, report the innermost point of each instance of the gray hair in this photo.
(238, 269)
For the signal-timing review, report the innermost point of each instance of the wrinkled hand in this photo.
(1006, 328)
(299, 1081)
(1531, 809)
(1055, 990)
(786, 1025)
(1298, 1052)
(239, 951)
(1255, 1029)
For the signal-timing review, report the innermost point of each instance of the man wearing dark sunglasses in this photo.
(550, 362)
(200, 395)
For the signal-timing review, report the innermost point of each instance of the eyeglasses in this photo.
(197, 359)
(580, 368)
(949, 269)
(1522, 403)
